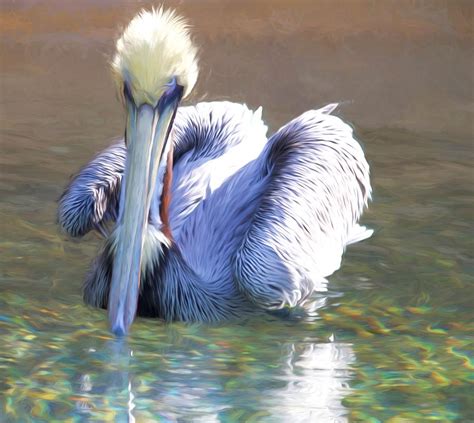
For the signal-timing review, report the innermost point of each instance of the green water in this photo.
(391, 341)
(392, 338)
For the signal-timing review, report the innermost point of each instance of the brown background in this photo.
(396, 64)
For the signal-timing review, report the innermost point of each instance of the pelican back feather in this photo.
(318, 186)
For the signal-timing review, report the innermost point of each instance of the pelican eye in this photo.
(173, 93)
(127, 93)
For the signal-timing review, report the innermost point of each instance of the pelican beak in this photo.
(148, 129)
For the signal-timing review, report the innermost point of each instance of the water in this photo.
(392, 339)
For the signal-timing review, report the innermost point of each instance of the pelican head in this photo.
(155, 66)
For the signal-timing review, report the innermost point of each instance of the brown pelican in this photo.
(212, 219)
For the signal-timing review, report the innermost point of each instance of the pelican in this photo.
(204, 217)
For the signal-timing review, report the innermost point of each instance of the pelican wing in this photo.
(212, 141)
(91, 198)
(208, 130)
(201, 134)
(318, 185)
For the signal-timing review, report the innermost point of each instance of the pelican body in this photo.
(211, 219)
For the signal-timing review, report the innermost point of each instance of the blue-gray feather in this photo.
(91, 198)
(255, 222)
(319, 185)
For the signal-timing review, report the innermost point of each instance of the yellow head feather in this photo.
(154, 48)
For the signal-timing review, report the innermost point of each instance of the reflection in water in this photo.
(308, 382)
(317, 377)
(115, 383)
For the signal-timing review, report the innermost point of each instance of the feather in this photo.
(154, 47)
(254, 220)
(91, 198)
(319, 185)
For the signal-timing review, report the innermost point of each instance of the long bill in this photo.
(147, 133)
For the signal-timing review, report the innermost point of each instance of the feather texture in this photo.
(155, 46)
(319, 185)
(254, 221)
(91, 198)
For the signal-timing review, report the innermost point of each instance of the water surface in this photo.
(391, 340)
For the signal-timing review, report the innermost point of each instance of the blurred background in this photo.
(392, 339)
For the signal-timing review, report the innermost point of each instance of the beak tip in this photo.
(121, 316)
(118, 326)
(119, 330)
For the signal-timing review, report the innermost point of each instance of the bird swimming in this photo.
(204, 217)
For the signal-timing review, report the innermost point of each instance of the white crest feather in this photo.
(154, 48)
